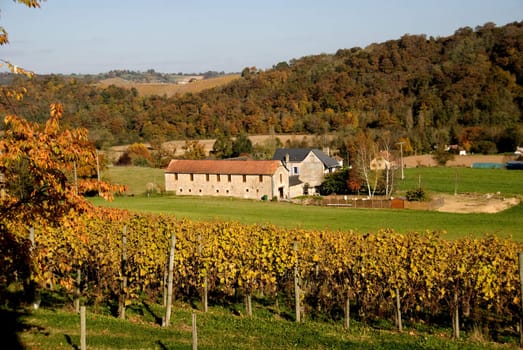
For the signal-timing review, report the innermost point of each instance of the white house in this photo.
(307, 168)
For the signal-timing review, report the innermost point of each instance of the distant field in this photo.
(464, 180)
(147, 89)
(134, 177)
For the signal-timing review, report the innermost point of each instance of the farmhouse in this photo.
(251, 179)
(307, 168)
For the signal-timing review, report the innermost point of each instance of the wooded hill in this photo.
(465, 89)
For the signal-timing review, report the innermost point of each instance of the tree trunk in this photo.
(170, 281)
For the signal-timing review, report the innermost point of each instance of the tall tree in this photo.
(242, 145)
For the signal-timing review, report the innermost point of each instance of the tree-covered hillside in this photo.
(465, 89)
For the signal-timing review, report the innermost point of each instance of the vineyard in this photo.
(112, 255)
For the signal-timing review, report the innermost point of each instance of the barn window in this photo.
(244, 178)
(207, 177)
(261, 178)
(217, 177)
(229, 177)
(191, 176)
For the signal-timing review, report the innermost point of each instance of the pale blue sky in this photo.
(94, 36)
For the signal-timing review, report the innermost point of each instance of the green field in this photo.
(508, 223)
(464, 180)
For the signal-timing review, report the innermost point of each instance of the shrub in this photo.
(417, 195)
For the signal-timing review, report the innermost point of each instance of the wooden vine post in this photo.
(194, 333)
(170, 282)
(520, 264)
(455, 317)
(83, 330)
(77, 290)
(398, 311)
(297, 286)
(205, 291)
(123, 286)
(346, 323)
(164, 283)
(248, 305)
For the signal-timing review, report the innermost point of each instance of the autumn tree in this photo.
(38, 168)
(193, 150)
(136, 154)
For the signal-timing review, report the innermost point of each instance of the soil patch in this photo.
(476, 203)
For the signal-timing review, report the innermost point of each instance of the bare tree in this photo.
(365, 151)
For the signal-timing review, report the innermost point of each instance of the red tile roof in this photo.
(233, 167)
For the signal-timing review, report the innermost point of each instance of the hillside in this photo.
(465, 89)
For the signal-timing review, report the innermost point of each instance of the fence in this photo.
(377, 203)
(356, 202)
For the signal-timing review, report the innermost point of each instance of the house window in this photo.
(295, 170)
(281, 178)
(244, 178)
(261, 178)
(191, 176)
(229, 177)
(217, 177)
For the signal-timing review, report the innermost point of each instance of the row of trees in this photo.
(465, 89)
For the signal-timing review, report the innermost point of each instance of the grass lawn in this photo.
(508, 223)
(220, 328)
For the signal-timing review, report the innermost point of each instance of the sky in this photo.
(193, 36)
